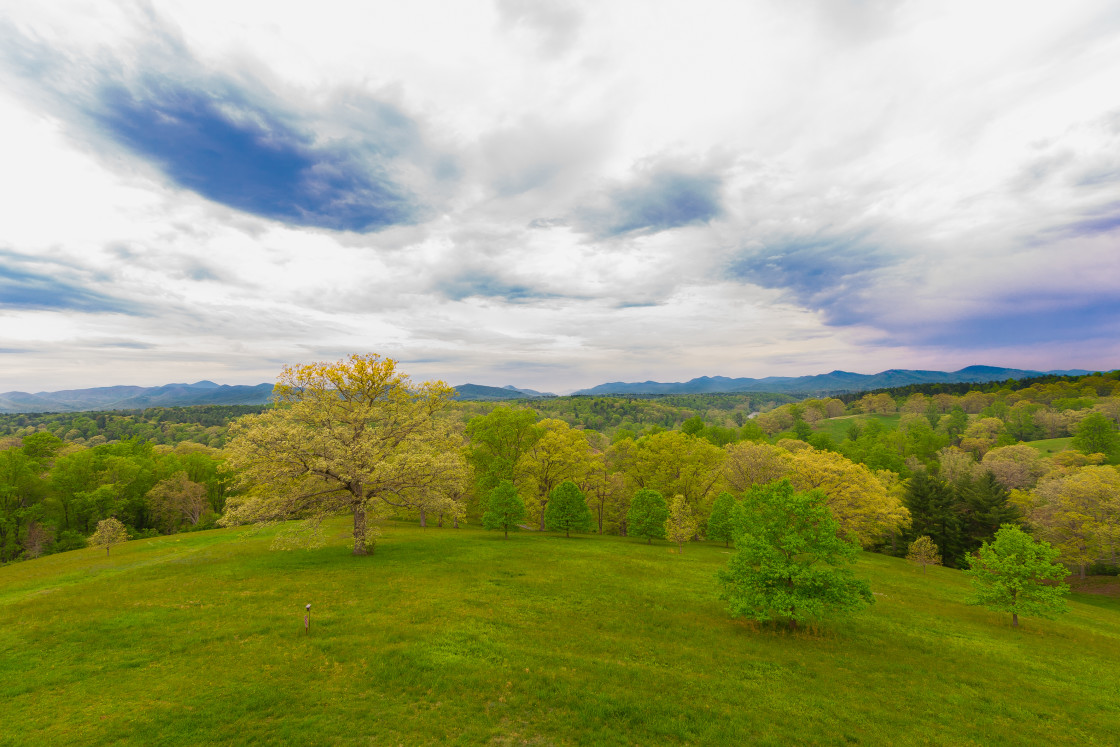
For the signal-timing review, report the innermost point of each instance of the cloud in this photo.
(25, 289)
(828, 274)
(217, 141)
(482, 285)
(346, 161)
(554, 23)
(657, 200)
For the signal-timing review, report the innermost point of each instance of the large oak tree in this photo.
(344, 436)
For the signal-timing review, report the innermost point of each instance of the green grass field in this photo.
(1051, 446)
(837, 428)
(461, 637)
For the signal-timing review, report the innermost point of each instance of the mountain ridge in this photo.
(205, 392)
(833, 382)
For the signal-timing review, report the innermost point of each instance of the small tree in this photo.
(505, 509)
(719, 523)
(1010, 574)
(109, 532)
(567, 510)
(680, 526)
(789, 562)
(647, 515)
(923, 552)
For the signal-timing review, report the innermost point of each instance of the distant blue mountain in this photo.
(480, 393)
(834, 382)
(135, 397)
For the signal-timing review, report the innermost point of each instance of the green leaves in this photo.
(647, 515)
(567, 510)
(789, 562)
(1018, 574)
(505, 509)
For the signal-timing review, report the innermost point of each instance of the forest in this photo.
(892, 465)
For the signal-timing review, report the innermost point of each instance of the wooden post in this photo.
(307, 621)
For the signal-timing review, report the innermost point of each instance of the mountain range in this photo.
(136, 397)
(209, 393)
(829, 383)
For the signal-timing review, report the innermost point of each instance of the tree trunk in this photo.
(1014, 619)
(359, 528)
(1081, 566)
(423, 521)
(543, 504)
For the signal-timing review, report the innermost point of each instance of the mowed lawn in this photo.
(462, 637)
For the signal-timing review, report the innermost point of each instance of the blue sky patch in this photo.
(234, 151)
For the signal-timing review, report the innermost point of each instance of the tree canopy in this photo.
(1018, 574)
(343, 436)
(789, 562)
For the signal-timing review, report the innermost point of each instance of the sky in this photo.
(556, 194)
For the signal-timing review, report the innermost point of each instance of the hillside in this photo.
(460, 637)
(135, 397)
(830, 383)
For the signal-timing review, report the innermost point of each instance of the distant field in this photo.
(461, 637)
(837, 428)
(1052, 445)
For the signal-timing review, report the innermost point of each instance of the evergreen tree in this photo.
(933, 513)
(505, 509)
(567, 510)
(983, 506)
(719, 523)
(647, 515)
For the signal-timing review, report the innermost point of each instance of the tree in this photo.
(497, 441)
(923, 552)
(1017, 574)
(344, 435)
(749, 464)
(680, 526)
(983, 506)
(505, 509)
(719, 522)
(857, 499)
(567, 510)
(109, 532)
(1096, 434)
(933, 512)
(789, 561)
(674, 463)
(1079, 513)
(647, 515)
(561, 453)
(1016, 467)
(176, 499)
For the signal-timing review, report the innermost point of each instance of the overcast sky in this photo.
(556, 194)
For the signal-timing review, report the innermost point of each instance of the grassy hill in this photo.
(461, 637)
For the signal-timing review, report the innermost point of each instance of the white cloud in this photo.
(884, 177)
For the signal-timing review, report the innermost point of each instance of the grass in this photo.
(837, 428)
(1050, 446)
(460, 637)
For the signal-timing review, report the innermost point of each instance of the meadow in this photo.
(448, 636)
